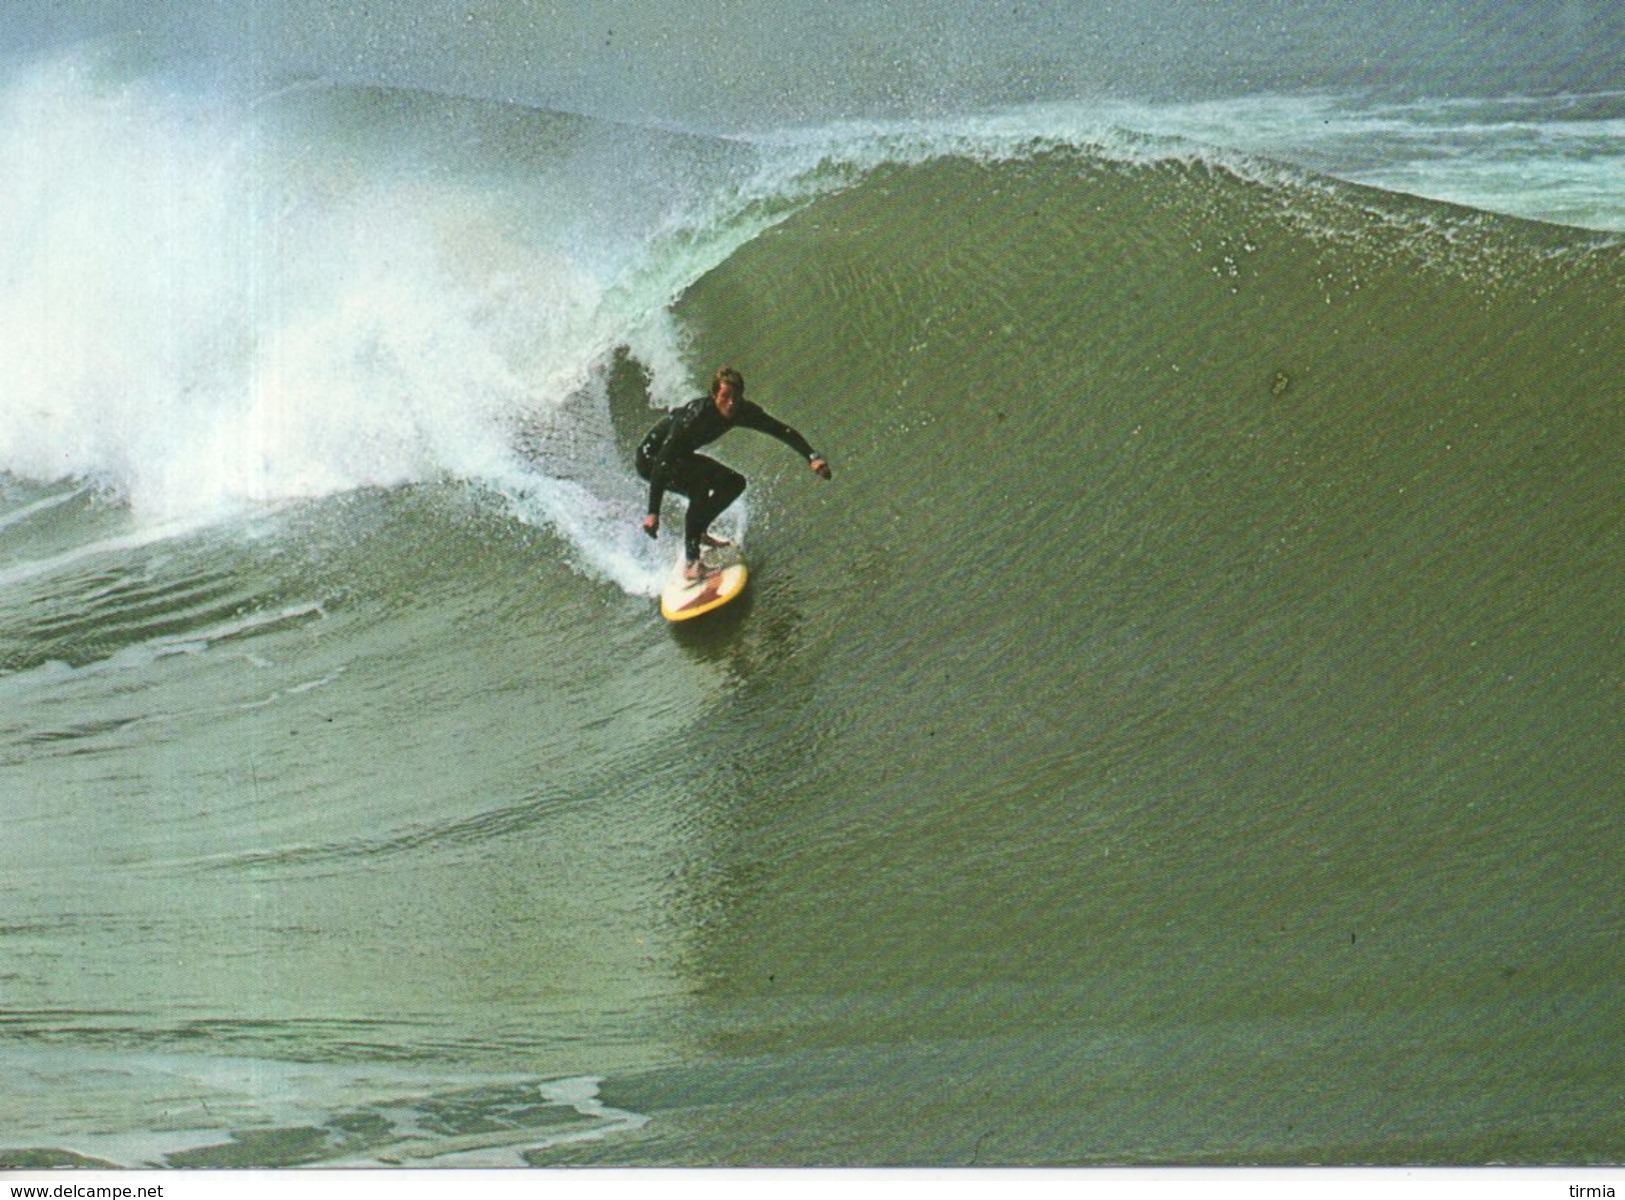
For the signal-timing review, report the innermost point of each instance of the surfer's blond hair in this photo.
(729, 376)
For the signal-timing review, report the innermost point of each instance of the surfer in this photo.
(667, 458)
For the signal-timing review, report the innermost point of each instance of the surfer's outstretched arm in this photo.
(753, 416)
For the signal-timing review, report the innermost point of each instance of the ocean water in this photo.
(1186, 730)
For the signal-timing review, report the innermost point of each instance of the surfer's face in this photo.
(726, 401)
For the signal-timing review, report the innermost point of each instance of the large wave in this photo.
(210, 304)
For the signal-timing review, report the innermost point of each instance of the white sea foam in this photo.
(202, 315)
(149, 534)
(198, 1101)
(29, 511)
(199, 317)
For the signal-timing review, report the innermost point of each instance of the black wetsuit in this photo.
(667, 459)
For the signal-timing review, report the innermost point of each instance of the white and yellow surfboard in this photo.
(683, 600)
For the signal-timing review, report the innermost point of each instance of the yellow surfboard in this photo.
(682, 600)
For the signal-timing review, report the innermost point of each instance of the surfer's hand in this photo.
(651, 525)
(820, 467)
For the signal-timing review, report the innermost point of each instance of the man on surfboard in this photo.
(667, 458)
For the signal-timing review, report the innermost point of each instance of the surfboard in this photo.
(681, 600)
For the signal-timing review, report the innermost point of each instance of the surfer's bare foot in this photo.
(695, 570)
(716, 541)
